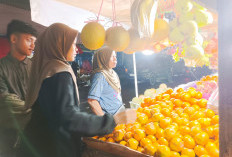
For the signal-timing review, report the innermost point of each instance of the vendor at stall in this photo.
(105, 91)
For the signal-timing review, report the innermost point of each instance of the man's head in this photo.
(22, 37)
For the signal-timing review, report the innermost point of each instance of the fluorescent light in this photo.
(147, 52)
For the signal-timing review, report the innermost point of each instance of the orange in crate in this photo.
(132, 143)
(163, 151)
(185, 97)
(150, 129)
(202, 103)
(177, 103)
(139, 134)
(176, 144)
(189, 142)
(159, 133)
(201, 138)
(118, 135)
(152, 138)
(188, 152)
(145, 141)
(174, 154)
(165, 122)
(200, 150)
(128, 135)
(215, 119)
(150, 149)
(163, 141)
(142, 119)
(198, 95)
(123, 143)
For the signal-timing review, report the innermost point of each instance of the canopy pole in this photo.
(135, 76)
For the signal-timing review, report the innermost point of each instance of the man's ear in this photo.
(13, 38)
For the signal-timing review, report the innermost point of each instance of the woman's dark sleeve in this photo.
(71, 118)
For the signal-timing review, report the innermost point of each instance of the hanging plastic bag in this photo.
(143, 13)
(214, 101)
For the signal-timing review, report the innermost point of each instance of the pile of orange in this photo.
(173, 124)
(209, 78)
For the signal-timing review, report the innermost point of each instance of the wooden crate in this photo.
(109, 149)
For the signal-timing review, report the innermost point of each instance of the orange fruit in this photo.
(185, 97)
(128, 135)
(169, 91)
(162, 104)
(189, 142)
(154, 110)
(201, 138)
(159, 133)
(142, 119)
(158, 97)
(157, 106)
(118, 135)
(152, 138)
(209, 113)
(197, 115)
(169, 133)
(140, 149)
(202, 103)
(215, 119)
(184, 115)
(150, 129)
(200, 150)
(198, 95)
(139, 134)
(157, 117)
(194, 123)
(123, 143)
(189, 110)
(147, 112)
(176, 144)
(205, 122)
(193, 101)
(110, 140)
(147, 100)
(145, 141)
(132, 143)
(177, 103)
(192, 92)
(150, 149)
(163, 141)
(120, 126)
(184, 130)
(185, 104)
(179, 110)
(209, 131)
(165, 122)
(196, 107)
(204, 156)
(102, 138)
(188, 152)
(180, 90)
(174, 154)
(166, 97)
(166, 112)
(209, 146)
(163, 151)
(135, 126)
(195, 130)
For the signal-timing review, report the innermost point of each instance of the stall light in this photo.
(147, 52)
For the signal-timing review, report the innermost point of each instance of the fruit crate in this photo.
(112, 149)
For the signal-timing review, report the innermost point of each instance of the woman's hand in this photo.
(125, 117)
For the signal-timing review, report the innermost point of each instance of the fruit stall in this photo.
(171, 122)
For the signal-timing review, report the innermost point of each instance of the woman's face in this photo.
(72, 52)
(113, 60)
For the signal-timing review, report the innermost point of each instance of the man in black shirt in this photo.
(14, 76)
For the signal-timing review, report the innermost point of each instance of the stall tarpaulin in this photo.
(76, 13)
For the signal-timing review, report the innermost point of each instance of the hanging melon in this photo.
(93, 35)
(117, 38)
(161, 30)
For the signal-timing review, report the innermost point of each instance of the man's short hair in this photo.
(17, 26)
